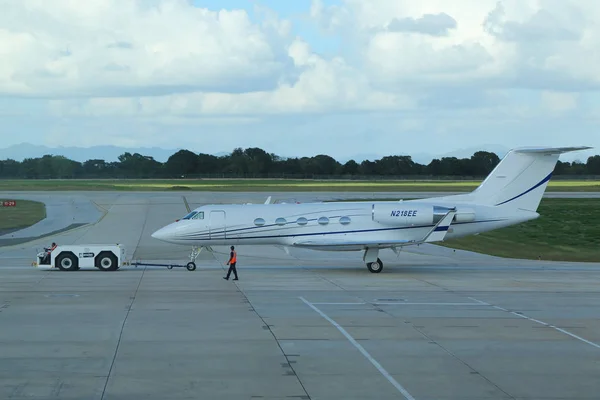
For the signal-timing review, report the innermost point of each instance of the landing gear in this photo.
(191, 266)
(374, 263)
(376, 266)
(195, 253)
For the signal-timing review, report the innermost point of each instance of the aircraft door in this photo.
(216, 225)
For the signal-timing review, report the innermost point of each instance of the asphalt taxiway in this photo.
(435, 324)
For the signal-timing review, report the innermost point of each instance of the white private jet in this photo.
(509, 195)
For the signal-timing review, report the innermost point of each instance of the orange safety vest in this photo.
(234, 258)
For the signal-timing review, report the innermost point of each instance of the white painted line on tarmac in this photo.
(428, 304)
(386, 374)
(546, 324)
(391, 303)
(479, 301)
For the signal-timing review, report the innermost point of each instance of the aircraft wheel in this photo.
(375, 267)
(191, 266)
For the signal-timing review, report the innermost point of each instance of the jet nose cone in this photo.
(162, 234)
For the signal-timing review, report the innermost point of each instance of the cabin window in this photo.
(344, 220)
(323, 220)
(199, 215)
(280, 221)
(259, 221)
(302, 221)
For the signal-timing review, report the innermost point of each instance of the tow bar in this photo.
(191, 266)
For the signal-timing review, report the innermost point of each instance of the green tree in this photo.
(351, 168)
(482, 163)
(593, 165)
(182, 163)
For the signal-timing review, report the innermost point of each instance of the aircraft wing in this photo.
(437, 233)
(350, 244)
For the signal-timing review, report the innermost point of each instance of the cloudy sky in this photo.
(300, 77)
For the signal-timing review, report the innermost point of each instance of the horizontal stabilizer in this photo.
(550, 150)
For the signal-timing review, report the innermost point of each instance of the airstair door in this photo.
(216, 225)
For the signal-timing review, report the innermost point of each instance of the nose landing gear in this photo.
(191, 266)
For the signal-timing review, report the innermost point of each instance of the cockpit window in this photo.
(190, 215)
(195, 215)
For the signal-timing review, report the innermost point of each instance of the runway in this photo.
(435, 324)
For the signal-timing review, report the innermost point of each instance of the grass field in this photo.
(266, 185)
(25, 214)
(567, 230)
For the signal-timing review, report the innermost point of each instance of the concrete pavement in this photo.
(435, 324)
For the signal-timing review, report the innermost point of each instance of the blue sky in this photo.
(296, 10)
(348, 78)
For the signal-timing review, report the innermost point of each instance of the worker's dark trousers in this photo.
(232, 269)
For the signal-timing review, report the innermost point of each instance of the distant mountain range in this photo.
(111, 153)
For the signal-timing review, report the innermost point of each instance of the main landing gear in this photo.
(374, 263)
(375, 266)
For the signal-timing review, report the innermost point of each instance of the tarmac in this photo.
(435, 324)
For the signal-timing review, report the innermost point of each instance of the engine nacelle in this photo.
(407, 214)
(464, 216)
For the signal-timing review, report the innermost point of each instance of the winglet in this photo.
(439, 231)
(268, 200)
(187, 205)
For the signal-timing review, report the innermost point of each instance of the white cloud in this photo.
(530, 43)
(120, 48)
(322, 86)
(559, 102)
(427, 71)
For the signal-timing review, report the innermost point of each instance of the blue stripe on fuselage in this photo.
(339, 232)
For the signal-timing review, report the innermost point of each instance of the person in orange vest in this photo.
(232, 261)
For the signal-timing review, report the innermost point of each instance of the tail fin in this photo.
(520, 179)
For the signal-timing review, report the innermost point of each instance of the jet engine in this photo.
(411, 214)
